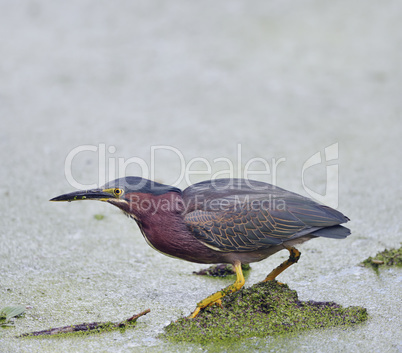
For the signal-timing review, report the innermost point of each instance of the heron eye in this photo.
(118, 192)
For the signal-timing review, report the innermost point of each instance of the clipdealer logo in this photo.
(111, 167)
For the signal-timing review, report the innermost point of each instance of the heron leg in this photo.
(216, 298)
(293, 258)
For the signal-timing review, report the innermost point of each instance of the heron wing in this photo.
(248, 217)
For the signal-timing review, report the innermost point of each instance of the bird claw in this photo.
(198, 309)
(195, 313)
(218, 302)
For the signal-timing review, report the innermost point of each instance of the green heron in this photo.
(234, 221)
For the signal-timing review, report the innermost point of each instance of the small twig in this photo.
(86, 327)
(135, 317)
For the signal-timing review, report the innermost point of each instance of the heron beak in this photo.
(95, 194)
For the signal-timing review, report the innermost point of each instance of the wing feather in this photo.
(249, 215)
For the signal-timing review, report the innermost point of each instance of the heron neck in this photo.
(164, 229)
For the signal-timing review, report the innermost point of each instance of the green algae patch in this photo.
(265, 309)
(9, 312)
(392, 257)
(222, 270)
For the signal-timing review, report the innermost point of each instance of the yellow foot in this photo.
(293, 258)
(216, 298)
(195, 313)
(198, 309)
(218, 302)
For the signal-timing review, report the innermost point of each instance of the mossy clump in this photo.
(264, 309)
(221, 270)
(392, 257)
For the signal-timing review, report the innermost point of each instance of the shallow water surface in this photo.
(281, 80)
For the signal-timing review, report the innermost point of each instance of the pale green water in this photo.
(284, 80)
